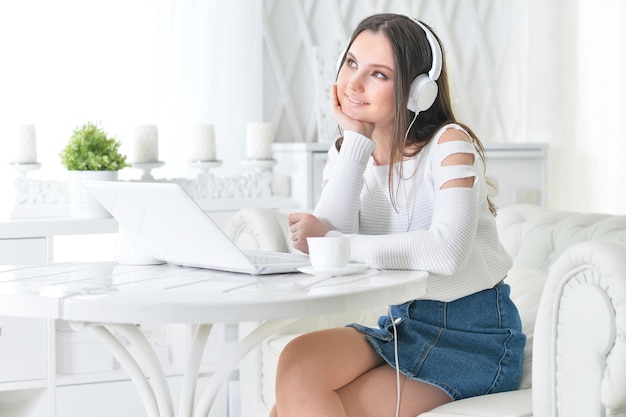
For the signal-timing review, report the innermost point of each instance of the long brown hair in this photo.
(412, 56)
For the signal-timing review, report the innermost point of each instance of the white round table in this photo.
(112, 299)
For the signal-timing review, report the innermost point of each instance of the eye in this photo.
(380, 75)
(351, 62)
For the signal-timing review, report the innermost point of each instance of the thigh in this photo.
(375, 394)
(328, 359)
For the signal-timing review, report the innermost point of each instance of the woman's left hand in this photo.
(346, 122)
(303, 225)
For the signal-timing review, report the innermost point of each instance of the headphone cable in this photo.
(395, 350)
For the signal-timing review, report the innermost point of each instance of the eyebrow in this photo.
(351, 55)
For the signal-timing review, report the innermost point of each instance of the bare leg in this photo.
(314, 366)
(374, 394)
(336, 372)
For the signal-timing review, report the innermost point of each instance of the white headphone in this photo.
(423, 90)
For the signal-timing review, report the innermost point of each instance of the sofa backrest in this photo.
(535, 237)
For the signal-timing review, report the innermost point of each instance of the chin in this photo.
(354, 114)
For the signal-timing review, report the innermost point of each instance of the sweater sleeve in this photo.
(451, 243)
(444, 247)
(339, 203)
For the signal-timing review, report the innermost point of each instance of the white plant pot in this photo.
(82, 202)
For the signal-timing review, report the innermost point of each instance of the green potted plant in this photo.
(90, 154)
(90, 149)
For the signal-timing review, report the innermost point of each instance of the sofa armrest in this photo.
(259, 228)
(579, 354)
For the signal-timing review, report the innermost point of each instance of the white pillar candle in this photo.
(146, 149)
(26, 146)
(259, 138)
(203, 143)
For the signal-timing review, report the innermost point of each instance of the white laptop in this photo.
(173, 228)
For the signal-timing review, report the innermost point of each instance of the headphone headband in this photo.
(424, 89)
(435, 70)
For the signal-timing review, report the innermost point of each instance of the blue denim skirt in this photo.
(468, 347)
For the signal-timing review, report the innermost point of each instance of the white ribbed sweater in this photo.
(448, 232)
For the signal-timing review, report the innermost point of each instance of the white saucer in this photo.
(334, 272)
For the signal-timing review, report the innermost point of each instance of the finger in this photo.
(301, 246)
(294, 218)
(334, 100)
(304, 247)
(333, 95)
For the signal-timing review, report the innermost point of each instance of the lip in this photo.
(354, 101)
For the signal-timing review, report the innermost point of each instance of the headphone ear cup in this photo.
(422, 93)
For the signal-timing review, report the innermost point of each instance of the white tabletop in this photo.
(107, 292)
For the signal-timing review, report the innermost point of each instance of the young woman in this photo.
(407, 182)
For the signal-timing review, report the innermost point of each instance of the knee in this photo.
(294, 359)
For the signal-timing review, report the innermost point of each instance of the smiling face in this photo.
(366, 81)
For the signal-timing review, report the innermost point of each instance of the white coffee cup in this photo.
(329, 252)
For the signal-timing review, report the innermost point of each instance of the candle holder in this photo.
(147, 168)
(259, 165)
(205, 166)
(23, 168)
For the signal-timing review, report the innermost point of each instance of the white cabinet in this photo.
(22, 338)
(25, 251)
(32, 402)
(303, 163)
(120, 399)
(24, 368)
(30, 241)
(48, 369)
(518, 171)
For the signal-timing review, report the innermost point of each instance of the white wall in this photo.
(173, 63)
(531, 71)
(592, 168)
(522, 71)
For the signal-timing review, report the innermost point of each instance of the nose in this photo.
(355, 82)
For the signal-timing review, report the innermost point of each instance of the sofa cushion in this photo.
(503, 404)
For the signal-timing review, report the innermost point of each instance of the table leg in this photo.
(152, 385)
(226, 367)
(192, 369)
(131, 367)
(149, 362)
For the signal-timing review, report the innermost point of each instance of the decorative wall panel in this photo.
(484, 42)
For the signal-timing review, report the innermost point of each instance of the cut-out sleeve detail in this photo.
(455, 172)
(445, 173)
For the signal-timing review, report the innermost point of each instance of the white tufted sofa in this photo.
(569, 283)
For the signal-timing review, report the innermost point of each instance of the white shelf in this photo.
(24, 228)
(518, 169)
(23, 385)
